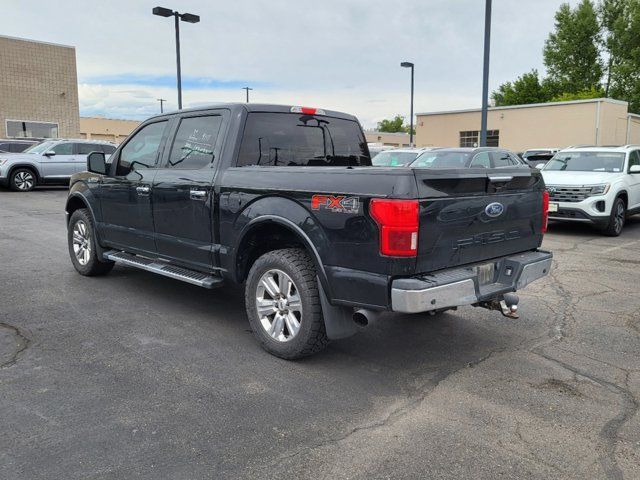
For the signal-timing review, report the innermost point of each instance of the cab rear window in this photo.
(293, 139)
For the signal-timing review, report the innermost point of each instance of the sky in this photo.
(336, 54)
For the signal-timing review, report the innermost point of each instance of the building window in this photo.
(26, 129)
(471, 138)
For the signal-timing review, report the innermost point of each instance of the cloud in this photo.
(336, 54)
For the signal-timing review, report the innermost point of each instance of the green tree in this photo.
(393, 126)
(583, 95)
(621, 22)
(525, 89)
(571, 52)
(611, 13)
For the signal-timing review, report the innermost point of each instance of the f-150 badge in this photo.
(336, 203)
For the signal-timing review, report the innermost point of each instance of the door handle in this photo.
(143, 190)
(197, 194)
(500, 179)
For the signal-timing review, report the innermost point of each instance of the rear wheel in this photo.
(82, 245)
(616, 218)
(22, 180)
(283, 304)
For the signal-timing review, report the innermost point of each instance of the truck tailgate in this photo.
(472, 215)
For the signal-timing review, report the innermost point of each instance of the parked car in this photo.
(539, 160)
(539, 151)
(376, 148)
(467, 157)
(596, 185)
(15, 145)
(49, 162)
(397, 157)
(284, 201)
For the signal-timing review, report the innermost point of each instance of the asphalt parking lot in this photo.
(138, 376)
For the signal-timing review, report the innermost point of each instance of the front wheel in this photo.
(82, 245)
(22, 180)
(283, 304)
(616, 219)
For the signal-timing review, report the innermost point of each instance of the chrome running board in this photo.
(166, 269)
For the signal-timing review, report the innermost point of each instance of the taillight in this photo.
(398, 222)
(545, 211)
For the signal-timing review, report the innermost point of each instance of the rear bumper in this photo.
(462, 286)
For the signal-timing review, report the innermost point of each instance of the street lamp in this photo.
(411, 66)
(247, 89)
(485, 74)
(185, 17)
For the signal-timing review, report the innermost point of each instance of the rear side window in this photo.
(195, 142)
(503, 159)
(481, 160)
(293, 139)
(87, 148)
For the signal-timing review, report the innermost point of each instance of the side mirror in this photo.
(96, 163)
(634, 169)
(49, 153)
(539, 166)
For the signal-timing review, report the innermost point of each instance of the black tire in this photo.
(23, 180)
(616, 218)
(92, 265)
(311, 336)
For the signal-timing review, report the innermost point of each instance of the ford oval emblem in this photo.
(494, 209)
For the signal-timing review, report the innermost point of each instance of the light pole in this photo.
(161, 100)
(247, 89)
(485, 74)
(411, 66)
(185, 17)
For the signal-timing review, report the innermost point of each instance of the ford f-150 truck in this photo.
(285, 201)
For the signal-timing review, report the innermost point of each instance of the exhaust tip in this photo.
(360, 318)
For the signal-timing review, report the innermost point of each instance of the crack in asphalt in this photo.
(22, 344)
(411, 404)
(609, 433)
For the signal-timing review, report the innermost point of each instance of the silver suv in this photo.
(49, 162)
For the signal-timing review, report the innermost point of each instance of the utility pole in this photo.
(161, 100)
(485, 74)
(247, 89)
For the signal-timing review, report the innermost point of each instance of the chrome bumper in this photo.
(463, 286)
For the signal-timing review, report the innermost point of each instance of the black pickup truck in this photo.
(285, 201)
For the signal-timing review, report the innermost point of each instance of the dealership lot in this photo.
(138, 376)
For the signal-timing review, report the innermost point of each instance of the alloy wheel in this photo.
(278, 305)
(81, 242)
(619, 217)
(24, 180)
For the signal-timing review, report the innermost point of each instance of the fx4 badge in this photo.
(336, 203)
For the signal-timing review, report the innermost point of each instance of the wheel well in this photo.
(262, 239)
(31, 168)
(623, 195)
(73, 204)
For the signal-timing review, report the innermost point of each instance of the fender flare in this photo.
(263, 219)
(338, 320)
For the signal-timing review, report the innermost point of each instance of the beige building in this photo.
(601, 121)
(38, 89)
(113, 130)
(386, 138)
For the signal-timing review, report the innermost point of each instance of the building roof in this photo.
(36, 41)
(529, 105)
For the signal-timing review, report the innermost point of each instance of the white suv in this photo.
(597, 185)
